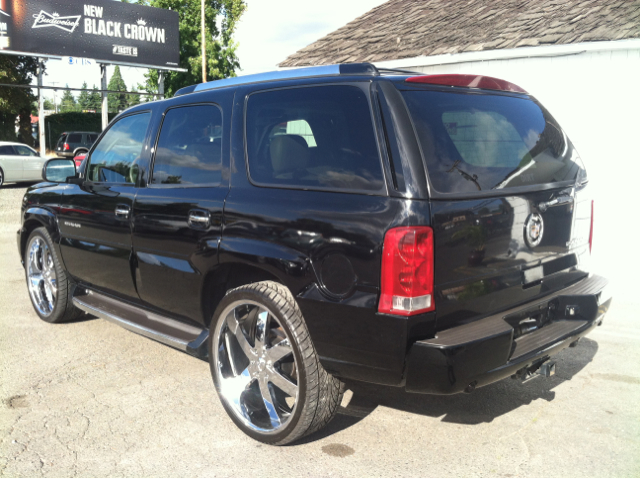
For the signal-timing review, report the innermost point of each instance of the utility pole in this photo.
(204, 50)
(41, 137)
(55, 103)
(105, 103)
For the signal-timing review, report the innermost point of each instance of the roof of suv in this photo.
(361, 69)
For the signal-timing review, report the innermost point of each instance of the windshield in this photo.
(479, 142)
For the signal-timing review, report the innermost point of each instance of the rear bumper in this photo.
(487, 350)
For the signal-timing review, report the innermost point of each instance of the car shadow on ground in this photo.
(482, 406)
(82, 318)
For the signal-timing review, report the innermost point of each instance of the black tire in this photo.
(318, 393)
(1, 177)
(63, 309)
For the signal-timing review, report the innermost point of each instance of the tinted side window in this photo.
(7, 150)
(316, 137)
(114, 158)
(189, 150)
(24, 151)
(75, 138)
(92, 138)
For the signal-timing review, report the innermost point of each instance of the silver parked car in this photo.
(19, 162)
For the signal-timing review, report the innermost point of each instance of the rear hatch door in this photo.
(510, 212)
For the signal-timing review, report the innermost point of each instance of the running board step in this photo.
(184, 337)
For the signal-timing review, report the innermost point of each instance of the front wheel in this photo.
(49, 288)
(265, 368)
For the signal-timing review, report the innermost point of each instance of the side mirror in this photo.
(59, 170)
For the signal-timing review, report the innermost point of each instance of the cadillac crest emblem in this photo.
(533, 230)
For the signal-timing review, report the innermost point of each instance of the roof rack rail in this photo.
(398, 70)
(307, 72)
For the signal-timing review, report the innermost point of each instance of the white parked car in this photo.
(19, 162)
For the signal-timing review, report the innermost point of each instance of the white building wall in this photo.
(595, 96)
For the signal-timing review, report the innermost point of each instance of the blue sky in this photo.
(269, 31)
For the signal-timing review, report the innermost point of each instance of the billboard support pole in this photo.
(161, 84)
(41, 138)
(105, 102)
(204, 48)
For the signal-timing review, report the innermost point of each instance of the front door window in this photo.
(115, 159)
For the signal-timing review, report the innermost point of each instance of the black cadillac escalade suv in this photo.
(302, 227)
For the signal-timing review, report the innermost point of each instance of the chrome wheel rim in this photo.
(41, 276)
(255, 366)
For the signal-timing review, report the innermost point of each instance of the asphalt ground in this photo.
(92, 399)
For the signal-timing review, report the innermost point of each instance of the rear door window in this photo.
(115, 159)
(479, 142)
(313, 138)
(7, 150)
(75, 138)
(61, 140)
(189, 150)
(25, 150)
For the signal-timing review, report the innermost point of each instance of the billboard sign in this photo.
(106, 30)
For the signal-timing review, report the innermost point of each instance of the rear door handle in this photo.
(199, 219)
(122, 211)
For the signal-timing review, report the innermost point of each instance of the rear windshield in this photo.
(479, 142)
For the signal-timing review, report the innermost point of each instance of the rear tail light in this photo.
(591, 229)
(407, 271)
(66, 147)
(469, 81)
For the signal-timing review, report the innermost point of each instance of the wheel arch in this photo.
(226, 277)
(36, 217)
(80, 149)
(245, 260)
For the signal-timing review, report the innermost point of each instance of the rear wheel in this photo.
(1, 177)
(49, 288)
(265, 368)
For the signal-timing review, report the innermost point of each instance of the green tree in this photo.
(95, 100)
(48, 104)
(15, 103)
(117, 101)
(222, 61)
(68, 102)
(133, 99)
(84, 101)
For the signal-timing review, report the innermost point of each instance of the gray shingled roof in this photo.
(410, 28)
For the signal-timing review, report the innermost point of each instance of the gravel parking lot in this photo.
(91, 399)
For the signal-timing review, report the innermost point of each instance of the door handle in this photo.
(122, 211)
(199, 219)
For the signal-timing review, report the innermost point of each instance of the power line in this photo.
(78, 89)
